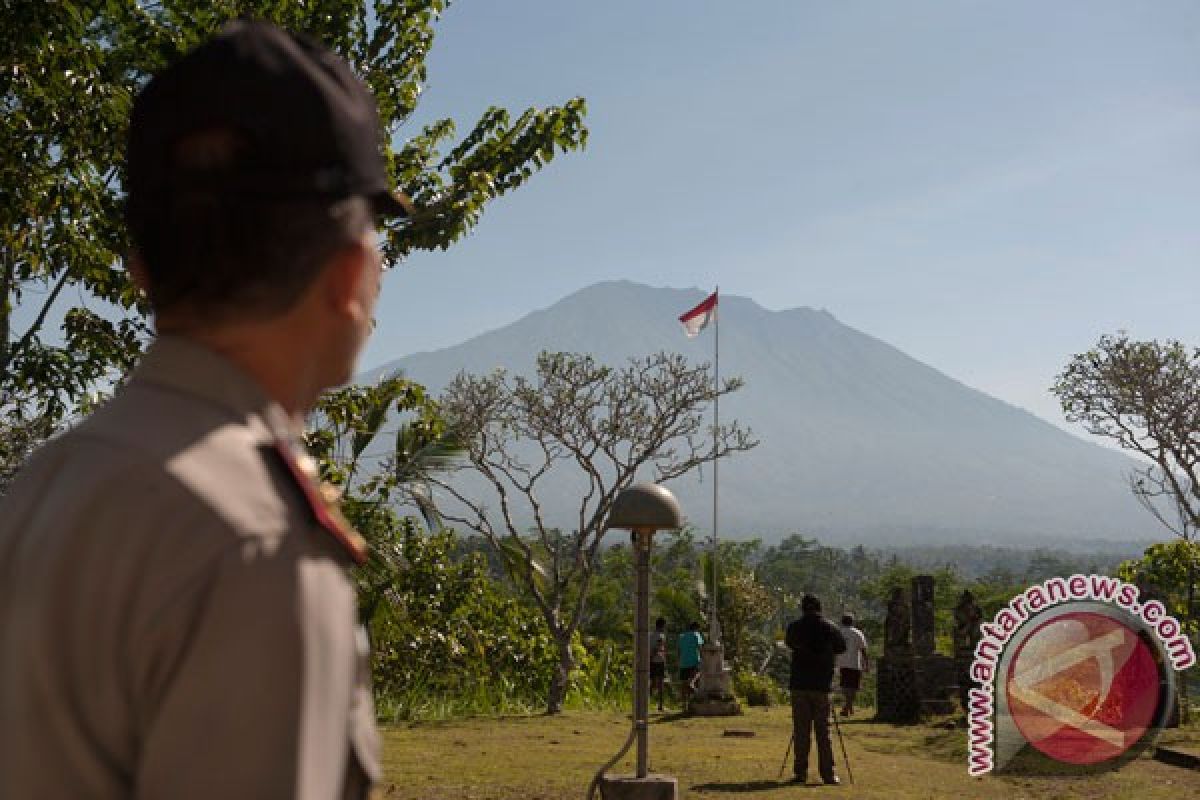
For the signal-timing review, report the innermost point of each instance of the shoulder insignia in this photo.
(322, 501)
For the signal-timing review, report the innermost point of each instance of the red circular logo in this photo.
(1083, 688)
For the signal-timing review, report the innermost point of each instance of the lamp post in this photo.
(641, 509)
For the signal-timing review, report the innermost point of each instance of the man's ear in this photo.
(344, 279)
(138, 272)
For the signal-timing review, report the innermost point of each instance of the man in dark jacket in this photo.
(815, 641)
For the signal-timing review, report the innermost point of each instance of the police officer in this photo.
(176, 614)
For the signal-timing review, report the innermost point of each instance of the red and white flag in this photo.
(698, 318)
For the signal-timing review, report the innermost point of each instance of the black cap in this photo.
(257, 111)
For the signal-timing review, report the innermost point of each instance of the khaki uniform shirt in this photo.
(174, 622)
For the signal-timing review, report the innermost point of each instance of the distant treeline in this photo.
(481, 647)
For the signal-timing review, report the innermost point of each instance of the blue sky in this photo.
(987, 186)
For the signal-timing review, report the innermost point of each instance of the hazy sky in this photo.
(987, 186)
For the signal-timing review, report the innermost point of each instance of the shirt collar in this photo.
(186, 366)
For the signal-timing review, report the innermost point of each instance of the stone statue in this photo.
(897, 625)
(924, 636)
(967, 619)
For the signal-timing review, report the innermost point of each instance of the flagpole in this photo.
(714, 627)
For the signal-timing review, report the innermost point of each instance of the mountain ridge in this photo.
(860, 441)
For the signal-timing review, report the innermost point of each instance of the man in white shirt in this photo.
(852, 663)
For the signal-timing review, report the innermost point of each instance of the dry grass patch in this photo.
(553, 758)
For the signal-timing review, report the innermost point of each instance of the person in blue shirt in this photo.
(690, 642)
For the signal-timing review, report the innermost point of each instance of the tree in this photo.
(18, 439)
(1167, 572)
(608, 424)
(447, 632)
(438, 624)
(1145, 396)
(70, 73)
(373, 480)
(745, 605)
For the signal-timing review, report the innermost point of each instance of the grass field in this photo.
(549, 758)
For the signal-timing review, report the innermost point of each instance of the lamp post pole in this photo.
(641, 695)
(641, 509)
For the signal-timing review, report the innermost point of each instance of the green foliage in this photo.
(347, 422)
(18, 439)
(845, 580)
(445, 637)
(446, 627)
(743, 606)
(602, 650)
(70, 73)
(758, 690)
(1168, 572)
(603, 676)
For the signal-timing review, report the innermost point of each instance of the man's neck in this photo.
(270, 355)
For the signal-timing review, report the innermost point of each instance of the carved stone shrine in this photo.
(913, 679)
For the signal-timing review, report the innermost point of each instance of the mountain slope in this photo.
(859, 441)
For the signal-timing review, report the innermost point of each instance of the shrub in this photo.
(443, 633)
(758, 690)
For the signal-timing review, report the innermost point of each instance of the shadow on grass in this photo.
(674, 716)
(746, 786)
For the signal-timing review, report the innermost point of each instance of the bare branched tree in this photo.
(1145, 396)
(606, 425)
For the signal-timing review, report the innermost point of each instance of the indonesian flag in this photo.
(698, 318)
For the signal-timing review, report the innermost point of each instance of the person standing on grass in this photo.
(814, 641)
(852, 663)
(177, 614)
(690, 642)
(658, 659)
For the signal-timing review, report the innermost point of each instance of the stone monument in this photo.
(924, 636)
(896, 697)
(714, 688)
(967, 619)
(913, 679)
(935, 674)
(898, 625)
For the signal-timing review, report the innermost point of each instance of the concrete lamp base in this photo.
(627, 787)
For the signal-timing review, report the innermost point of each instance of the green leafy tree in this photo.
(744, 606)
(440, 627)
(374, 475)
(18, 439)
(70, 72)
(445, 629)
(1167, 572)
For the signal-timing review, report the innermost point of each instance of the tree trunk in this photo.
(562, 673)
(1185, 703)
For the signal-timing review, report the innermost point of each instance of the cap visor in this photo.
(393, 204)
